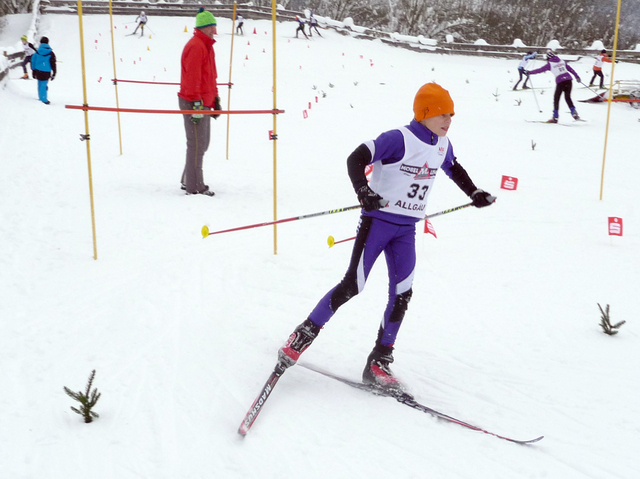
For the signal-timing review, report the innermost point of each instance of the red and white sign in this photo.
(428, 228)
(509, 183)
(615, 226)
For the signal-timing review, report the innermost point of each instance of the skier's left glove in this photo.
(52, 77)
(481, 198)
(216, 106)
(369, 199)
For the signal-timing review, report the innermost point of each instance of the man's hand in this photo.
(216, 106)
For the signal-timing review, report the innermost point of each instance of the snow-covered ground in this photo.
(502, 330)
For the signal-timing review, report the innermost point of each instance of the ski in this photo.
(257, 405)
(552, 123)
(408, 400)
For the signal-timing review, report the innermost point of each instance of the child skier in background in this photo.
(522, 70)
(405, 162)
(597, 67)
(560, 70)
(300, 27)
(29, 50)
(313, 25)
(142, 21)
(239, 29)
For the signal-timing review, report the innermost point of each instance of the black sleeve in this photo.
(461, 178)
(53, 63)
(356, 164)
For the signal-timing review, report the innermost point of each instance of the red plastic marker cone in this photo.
(254, 31)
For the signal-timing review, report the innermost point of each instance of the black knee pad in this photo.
(346, 290)
(400, 306)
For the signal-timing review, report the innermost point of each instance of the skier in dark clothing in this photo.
(43, 64)
(560, 70)
(300, 28)
(405, 162)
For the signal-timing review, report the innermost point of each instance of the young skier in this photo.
(313, 25)
(29, 50)
(43, 65)
(597, 67)
(405, 162)
(522, 70)
(239, 29)
(560, 70)
(300, 27)
(142, 21)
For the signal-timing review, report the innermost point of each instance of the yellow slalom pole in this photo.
(613, 67)
(113, 54)
(233, 35)
(86, 127)
(274, 138)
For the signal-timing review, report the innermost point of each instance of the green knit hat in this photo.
(23, 37)
(205, 18)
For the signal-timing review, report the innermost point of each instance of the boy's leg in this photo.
(42, 90)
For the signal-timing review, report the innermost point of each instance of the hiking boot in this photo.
(206, 192)
(377, 369)
(298, 342)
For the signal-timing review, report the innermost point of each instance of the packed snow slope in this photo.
(502, 330)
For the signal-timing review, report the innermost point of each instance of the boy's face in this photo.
(24, 42)
(438, 124)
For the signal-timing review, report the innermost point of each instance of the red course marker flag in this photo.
(509, 183)
(615, 226)
(428, 228)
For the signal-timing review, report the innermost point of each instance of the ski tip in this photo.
(535, 440)
(205, 231)
(242, 430)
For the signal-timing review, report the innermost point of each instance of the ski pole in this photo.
(331, 240)
(534, 92)
(206, 232)
(583, 84)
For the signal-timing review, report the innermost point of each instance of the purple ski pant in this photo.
(375, 236)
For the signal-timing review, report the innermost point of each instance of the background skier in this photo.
(43, 64)
(29, 50)
(522, 70)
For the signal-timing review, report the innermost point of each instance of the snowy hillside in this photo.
(502, 330)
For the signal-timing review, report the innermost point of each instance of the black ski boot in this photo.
(377, 369)
(298, 342)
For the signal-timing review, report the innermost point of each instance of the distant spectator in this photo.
(43, 64)
(29, 50)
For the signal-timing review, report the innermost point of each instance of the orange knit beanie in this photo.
(432, 100)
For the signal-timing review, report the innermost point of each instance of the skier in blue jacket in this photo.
(43, 64)
(405, 163)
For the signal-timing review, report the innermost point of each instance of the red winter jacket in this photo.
(198, 74)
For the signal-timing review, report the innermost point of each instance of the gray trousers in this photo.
(198, 136)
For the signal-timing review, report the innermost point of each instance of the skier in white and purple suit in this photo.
(405, 162)
(560, 70)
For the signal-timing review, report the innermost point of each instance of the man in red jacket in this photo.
(198, 91)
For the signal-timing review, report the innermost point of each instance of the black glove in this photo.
(481, 198)
(52, 77)
(216, 106)
(369, 199)
(196, 118)
(526, 72)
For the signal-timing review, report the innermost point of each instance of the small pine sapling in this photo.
(533, 145)
(605, 322)
(496, 94)
(88, 399)
(519, 102)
